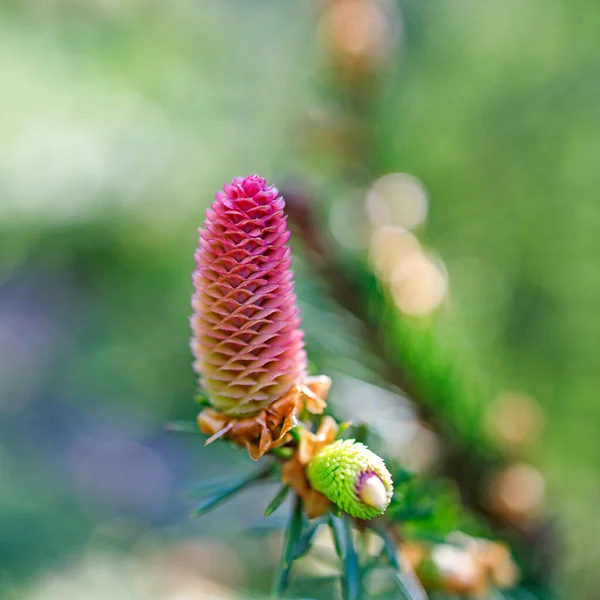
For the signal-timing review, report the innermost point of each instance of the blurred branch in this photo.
(471, 456)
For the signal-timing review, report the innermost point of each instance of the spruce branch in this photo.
(250, 354)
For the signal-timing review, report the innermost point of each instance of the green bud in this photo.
(352, 477)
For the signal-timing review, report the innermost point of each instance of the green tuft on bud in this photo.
(352, 477)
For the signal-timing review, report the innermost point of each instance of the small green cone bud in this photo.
(352, 477)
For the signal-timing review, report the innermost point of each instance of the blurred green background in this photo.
(118, 121)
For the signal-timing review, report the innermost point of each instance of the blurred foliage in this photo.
(120, 119)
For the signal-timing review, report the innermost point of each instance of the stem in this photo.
(344, 546)
(282, 452)
(292, 535)
(182, 427)
(219, 496)
(406, 579)
(295, 433)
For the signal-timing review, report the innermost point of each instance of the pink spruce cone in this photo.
(247, 344)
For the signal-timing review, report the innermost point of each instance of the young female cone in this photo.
(247, 342)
